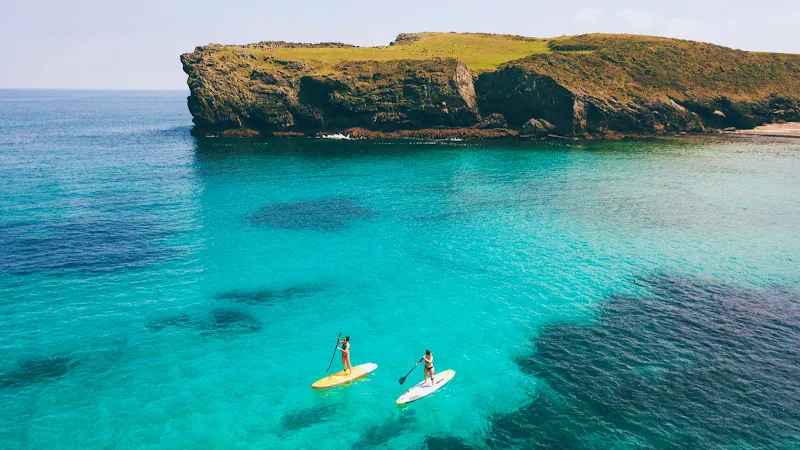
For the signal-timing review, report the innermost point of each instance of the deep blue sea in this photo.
(162, 291)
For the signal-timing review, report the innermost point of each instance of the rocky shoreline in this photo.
(588, 86)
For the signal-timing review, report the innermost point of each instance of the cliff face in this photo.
(590, 85)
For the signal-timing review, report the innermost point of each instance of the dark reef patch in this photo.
(329, 214)
(379, 435)
(446, 443)
(37, 370)
(696, 364)
(92, 244)
(303, 418)
(180, 321)
(269, 296)
(230, 322)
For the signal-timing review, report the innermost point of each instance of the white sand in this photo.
(789, 129)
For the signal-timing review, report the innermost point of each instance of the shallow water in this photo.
(162, 291)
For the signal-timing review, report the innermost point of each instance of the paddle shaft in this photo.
(403, 380)
(335, 347)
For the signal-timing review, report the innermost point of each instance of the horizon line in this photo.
(91, 89)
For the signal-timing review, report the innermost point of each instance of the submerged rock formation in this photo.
(425, 85)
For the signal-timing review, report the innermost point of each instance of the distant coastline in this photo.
(482, 86)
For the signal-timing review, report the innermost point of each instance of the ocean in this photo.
(164, 291)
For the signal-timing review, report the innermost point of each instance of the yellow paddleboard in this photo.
(343, 377)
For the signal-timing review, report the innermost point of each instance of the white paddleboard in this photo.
(425, 388)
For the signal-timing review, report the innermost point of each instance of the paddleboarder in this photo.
(428, 358)
(345, 348)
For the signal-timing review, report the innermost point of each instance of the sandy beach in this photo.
(789, 129)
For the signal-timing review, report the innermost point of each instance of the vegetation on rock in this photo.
(587, 85)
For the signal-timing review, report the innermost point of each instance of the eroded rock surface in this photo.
(585, 86)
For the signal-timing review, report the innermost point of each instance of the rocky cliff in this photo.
(475, 85)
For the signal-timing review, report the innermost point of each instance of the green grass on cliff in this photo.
(616, 69)
(619, 66)
(480, 52)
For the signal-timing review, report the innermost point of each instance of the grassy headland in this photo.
(586, 85)
(479, 52)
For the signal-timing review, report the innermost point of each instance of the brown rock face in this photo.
(388, 95)
(588, 86)
(537, 128)
(493, 120)
(519, 94)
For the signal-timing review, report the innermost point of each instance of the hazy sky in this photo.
(135, 44)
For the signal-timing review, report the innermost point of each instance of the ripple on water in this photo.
(695, 364)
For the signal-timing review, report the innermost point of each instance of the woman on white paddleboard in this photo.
(428, 358)
(345, 348)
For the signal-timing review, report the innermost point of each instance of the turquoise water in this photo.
(162, 291)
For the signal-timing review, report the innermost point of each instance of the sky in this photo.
(91, 44)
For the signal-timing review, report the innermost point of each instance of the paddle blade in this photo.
(402, 380)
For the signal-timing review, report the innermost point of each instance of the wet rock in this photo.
(493, 120)
(537, 128)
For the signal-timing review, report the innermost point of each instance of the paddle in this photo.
(336, 347)
(403, 380)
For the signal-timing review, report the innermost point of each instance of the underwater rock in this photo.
(328, 214)
(230, 321)
(180, 321)
(38, 370)
(302, 418)
(698, 363)
(446, 443)
(96, 244)
(379, 435)
(269, 296)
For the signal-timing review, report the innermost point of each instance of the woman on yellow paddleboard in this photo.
(428, 358)
(345, 348)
